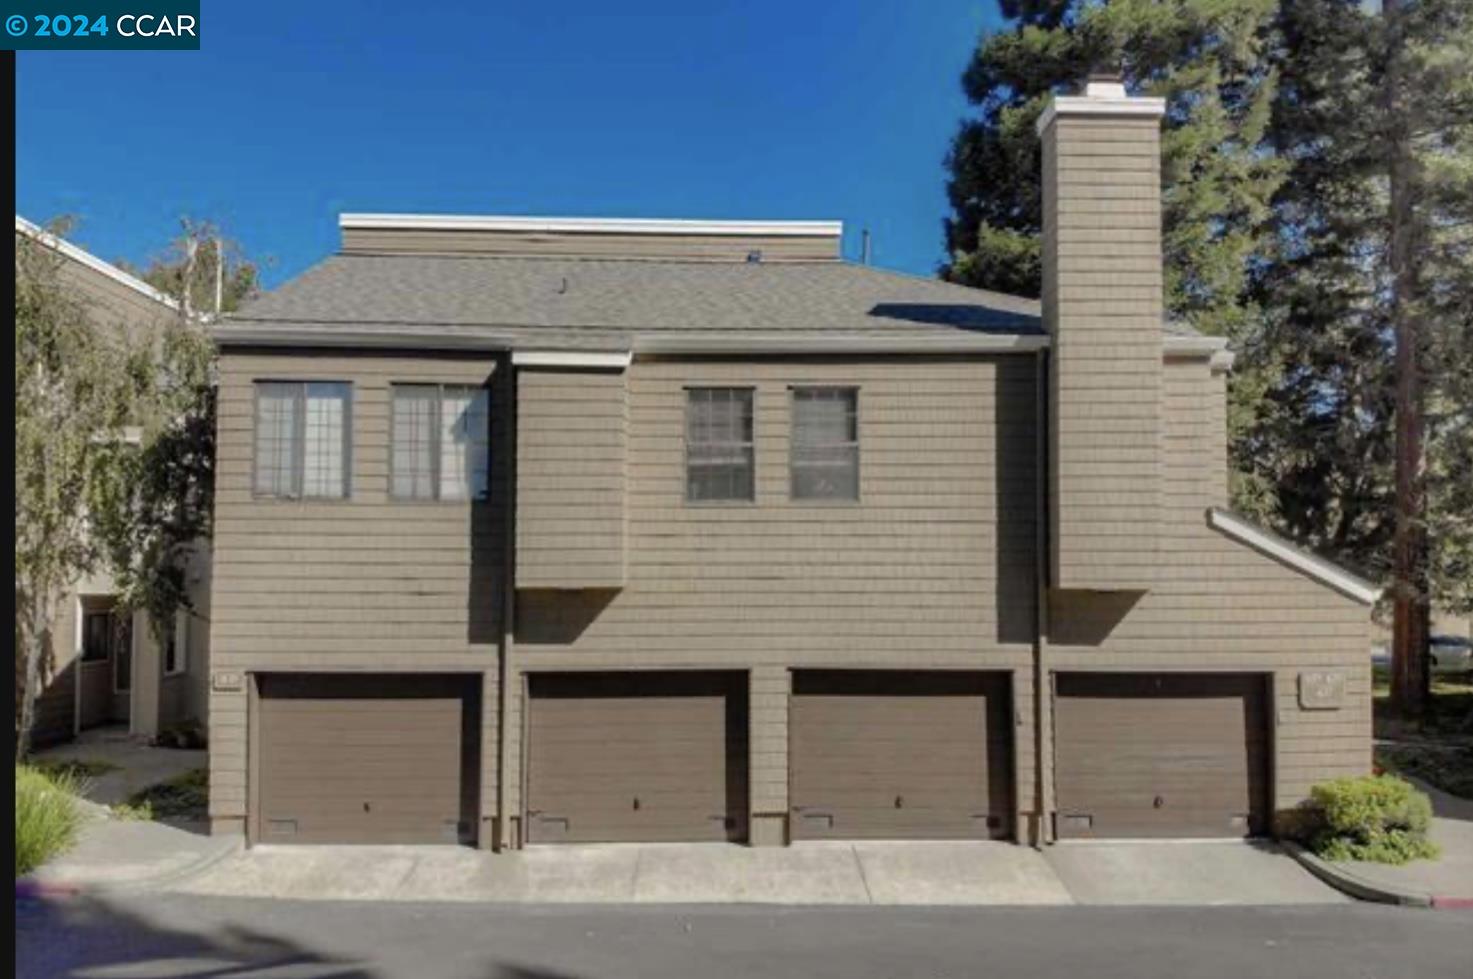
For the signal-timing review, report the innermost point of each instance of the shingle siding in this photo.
(1220, 606)
(932, 568)
(1102, 305)
(362, 584)
(572, 433)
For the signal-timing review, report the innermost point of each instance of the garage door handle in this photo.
(1158, 803)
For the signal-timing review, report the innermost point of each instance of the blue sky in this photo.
(291, 113)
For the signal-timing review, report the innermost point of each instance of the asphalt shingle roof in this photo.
(601, 301)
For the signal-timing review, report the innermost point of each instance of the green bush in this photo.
(47, 817)
(1380, 818)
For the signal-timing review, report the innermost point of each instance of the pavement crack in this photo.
(859, 863)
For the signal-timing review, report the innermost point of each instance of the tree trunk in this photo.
(1409, 681)
(38, 631)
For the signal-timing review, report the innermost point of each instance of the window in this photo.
(441, 442)
(718, 444)
(302, 431)
(98, 628)
(176, 647)
(825, 454)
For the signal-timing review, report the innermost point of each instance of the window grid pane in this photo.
(720, 463)
(465, 449)
(324, 456)
(414, 441)
(276, 439)
(825, 453)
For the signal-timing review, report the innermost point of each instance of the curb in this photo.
(1360, 887)
(31, 888)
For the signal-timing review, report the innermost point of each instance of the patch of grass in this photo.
(47, 817)
(1379, 818)
(77, 769)
(130, 813)
(184, 796)
(1447, 766)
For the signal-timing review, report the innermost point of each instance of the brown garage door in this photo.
(367, 759)
(900, 755)
(1160, 755)
(636, 757)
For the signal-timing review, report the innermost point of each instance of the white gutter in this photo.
(241, 333)
(635, 226)
(571, 358)
(81, 257)
(1274, 546)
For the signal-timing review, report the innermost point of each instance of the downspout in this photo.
(1042, 699)
(504, 838)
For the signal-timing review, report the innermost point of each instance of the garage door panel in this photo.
(899, 754)
(367, 759)
(1139, 755)
(636, 757)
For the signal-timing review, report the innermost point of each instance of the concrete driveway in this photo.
(879, 873)
(1185, 872)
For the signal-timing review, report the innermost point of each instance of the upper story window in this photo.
(825, 448)
(719, 464)
(302, 432)
(441, 442)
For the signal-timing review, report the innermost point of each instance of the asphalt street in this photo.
(157, 935)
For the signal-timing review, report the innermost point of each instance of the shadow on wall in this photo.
(488, 522)
(95, 937)
(964, 316)
(558, 617)
(1086, 618)
(1015, 464)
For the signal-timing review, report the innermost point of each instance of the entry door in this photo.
(1170, 755)
(629, 757)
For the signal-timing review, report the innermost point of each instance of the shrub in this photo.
(47, 817)
(184, 796)
(1380, 818)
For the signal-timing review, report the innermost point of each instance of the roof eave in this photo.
(83, 257)
(1343, 581)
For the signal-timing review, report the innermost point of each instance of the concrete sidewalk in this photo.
(1444, 882)
(120, 854)
(136, 765)
(812, 873)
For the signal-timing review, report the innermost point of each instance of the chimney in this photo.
(1102, 285)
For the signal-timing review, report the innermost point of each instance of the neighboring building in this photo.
(533, 531)
(103, 671)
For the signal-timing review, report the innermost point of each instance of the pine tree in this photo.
(1205, 58)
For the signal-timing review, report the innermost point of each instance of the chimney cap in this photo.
(1105, 81)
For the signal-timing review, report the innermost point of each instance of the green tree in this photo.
(200, 261)
(1361, 441)
(114, 456)
(1205, 57)
(71, 404)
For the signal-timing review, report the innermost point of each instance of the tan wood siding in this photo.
(1162, 755)
(1102, 305)
(900, 755)
(933, 567)
(365, 584)
(1221, 606)
(358, 759)
(637, 757)
(572, 433)
(565, 244)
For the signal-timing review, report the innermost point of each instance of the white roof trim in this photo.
(634, 226)
(243, 332)
(571, 358)
(71, 251)
(1274, 546)
(1097, 105)
(729, 343)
